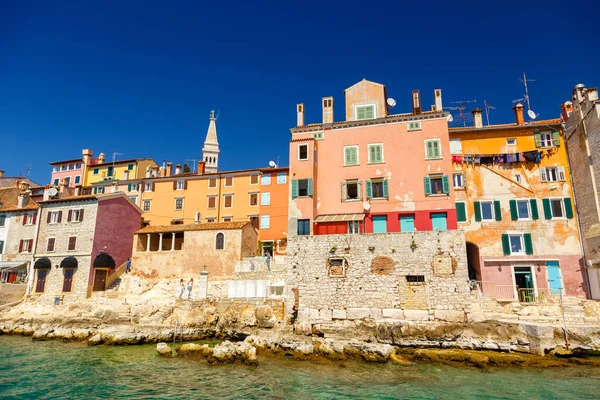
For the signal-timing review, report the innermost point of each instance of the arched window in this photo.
(220, 241)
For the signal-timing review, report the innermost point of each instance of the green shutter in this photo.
(436, 149)
(372, 154)
(555, 137)
(547, 210)
(129, 187)
(427, 182)
(360, 113)
(370, 112)
(95, 189)
(445, 184)
(385, 188)
(477, 210)
(505, 244)
(497, 210)
(310, 188)
(513, 210)
(568, 207)
(461, 212)
(294, 188)
(369, 189)
(528, 243)
(534, 209)
(342, 194)
(537, 137)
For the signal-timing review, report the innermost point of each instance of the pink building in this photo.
(71, 173)
(373, 172)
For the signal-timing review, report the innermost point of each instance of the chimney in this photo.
(578, 92)
(478, 118)
(101, 158)
(1, 173)
(154, 171)
(177, 169)
(201, 167)
(148, 171)
(519, 113)
(169, 168)
(592, 94)
(437, 95)
(416, 102)
(87, 156)
(162, 171)
(22, 200)
(328, 110)
(567, 109)
(300, 113)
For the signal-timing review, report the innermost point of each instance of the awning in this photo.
(69, 262)
(104, 261)
(339, 217)
(42, 263)
(11, 264)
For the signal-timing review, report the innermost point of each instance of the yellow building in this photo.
(117, 170)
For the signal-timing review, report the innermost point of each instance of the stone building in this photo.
(207, 251)
(582, 116)
(81, 240)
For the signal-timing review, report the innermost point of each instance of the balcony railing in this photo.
(511, 292)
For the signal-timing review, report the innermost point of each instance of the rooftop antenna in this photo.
(462, 108)
(194, 163)
(487, 111)
(115, 154)
(532, 115)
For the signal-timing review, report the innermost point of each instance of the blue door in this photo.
(438, 221)
(379, 224)
(407, 223)
(554, 281)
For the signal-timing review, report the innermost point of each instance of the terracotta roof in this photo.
(70, 198)
(275, 169)
(123, 161)
(9, 181)
(8, 198)
(75, 160)
(204, 175)
(554, 121)
(209, 226)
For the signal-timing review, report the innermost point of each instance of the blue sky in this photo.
(140, 78)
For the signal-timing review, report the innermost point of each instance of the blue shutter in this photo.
(385, 188)
(427, 183)
(369, 189)
(445, 184)
(294, 188)
(310, 187)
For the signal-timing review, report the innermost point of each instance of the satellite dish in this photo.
(449, 117)
(531, 114)
(52, 192)
(272, 164)
(366, 205)
(391, 102)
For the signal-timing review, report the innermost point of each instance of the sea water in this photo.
(52, 370)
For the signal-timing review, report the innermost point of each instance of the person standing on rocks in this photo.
(189, 287)
(181, 289)
(128, 266)
(268, 260)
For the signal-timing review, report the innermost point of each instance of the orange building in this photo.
(274, 194)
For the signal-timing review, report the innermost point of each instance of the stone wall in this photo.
(418, 275)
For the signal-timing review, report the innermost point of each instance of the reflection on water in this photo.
(58, 370)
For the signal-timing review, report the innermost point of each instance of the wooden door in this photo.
(41, 280)
(100, 280)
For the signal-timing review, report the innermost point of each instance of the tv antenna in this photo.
(487, 111)
(532, 115)
(115, 154)
(461, 108)
(194, 163)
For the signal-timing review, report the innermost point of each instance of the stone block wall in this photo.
(416, 275)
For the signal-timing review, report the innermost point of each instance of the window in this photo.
(110, 171)
(96, 171)
(281, 178)
(179, 203)
(146, 205)
(254, 179)
(72, 243)
(210, 219)
(414, 126)
(265, 199)
(2, 219)
(229, 181)
(379, 224)
(303, 227)
(63, 168)
(518, 177)
(75, 215)
(133, 199)
(377, 188)
(253, 199)
(265, 221)
(54, 217)
(212, 183)
(353, 227)
(375, 153)
(78, 166)
(439, 221)
(432, 149)
(212, 202)
(25, 246)
(77, 179)
(266, 180)
(351, 190)
(180, 185)
(301, 188)
(50, 244)
(350, 155)
(455, 146)
(227, 219)
(56, 182)
(67, 180)
(228, 199)
(71, 166)
(487, 210)
(511, 142)
(523, 211)
(436, 185)
(365, 112)
(337, 267)
(220, 241)
(517, 243)
(415, 278)
(461, 211)
(302, 152)
(318, 136)
(547, 138)
(129, 167)
(148, 187)
(254, 220)
(68, 279)
(458, 180)
(1, 246)
(552, 174)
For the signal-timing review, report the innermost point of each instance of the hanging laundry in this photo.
(487, 160)
(531, 156)
(477, 160)
(501, 159)
(457, 159)
(538, 158)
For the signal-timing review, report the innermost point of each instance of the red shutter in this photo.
(31, 245)
(25, 219)
(59, 217)
(153, 186)
(174, 185)
(34, 218)
(185, 185)
(80, 214)
(20, 246)
(69, 215)
(49, 217)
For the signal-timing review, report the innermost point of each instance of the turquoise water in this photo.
(49, 370)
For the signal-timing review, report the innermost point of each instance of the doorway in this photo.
(40, 285)
(554, 277)
(100, 280)
(267, 246)
(379, 224)
(525, 284)
(473, 262)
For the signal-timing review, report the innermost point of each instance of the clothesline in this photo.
(499, 158)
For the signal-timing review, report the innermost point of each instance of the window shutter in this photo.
(427, 183)
(555, 137)
(537, 137)
(347, 156)
(153, 186)
(505, 244)
(547, 210)
(24, 219)
(360, 113)
(80, 214)
(497, 210)
(477, 210)
(129, 187)
(95, 189)
(372, 157)
(568, 208)
(561, 174)
(20, 246)
(31, 245)
(34, 218)
(543, 177)
(294, 188)
(445, 184)
(185, 185)
(369, 189)
(69, 215)
(174, 185)
(461, 212)
(49, 217)
(343, 193)
(534, 209)
(429, 148)
(59, 217)
(436, 149)
(528, 243)
(143, 188)
(310, 188)
(385, 188)
(370, 112)
(513, 210)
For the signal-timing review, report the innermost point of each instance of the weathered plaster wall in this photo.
(15, 231)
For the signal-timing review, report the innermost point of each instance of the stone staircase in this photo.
(115, 285)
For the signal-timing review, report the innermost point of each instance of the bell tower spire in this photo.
(210, 150)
